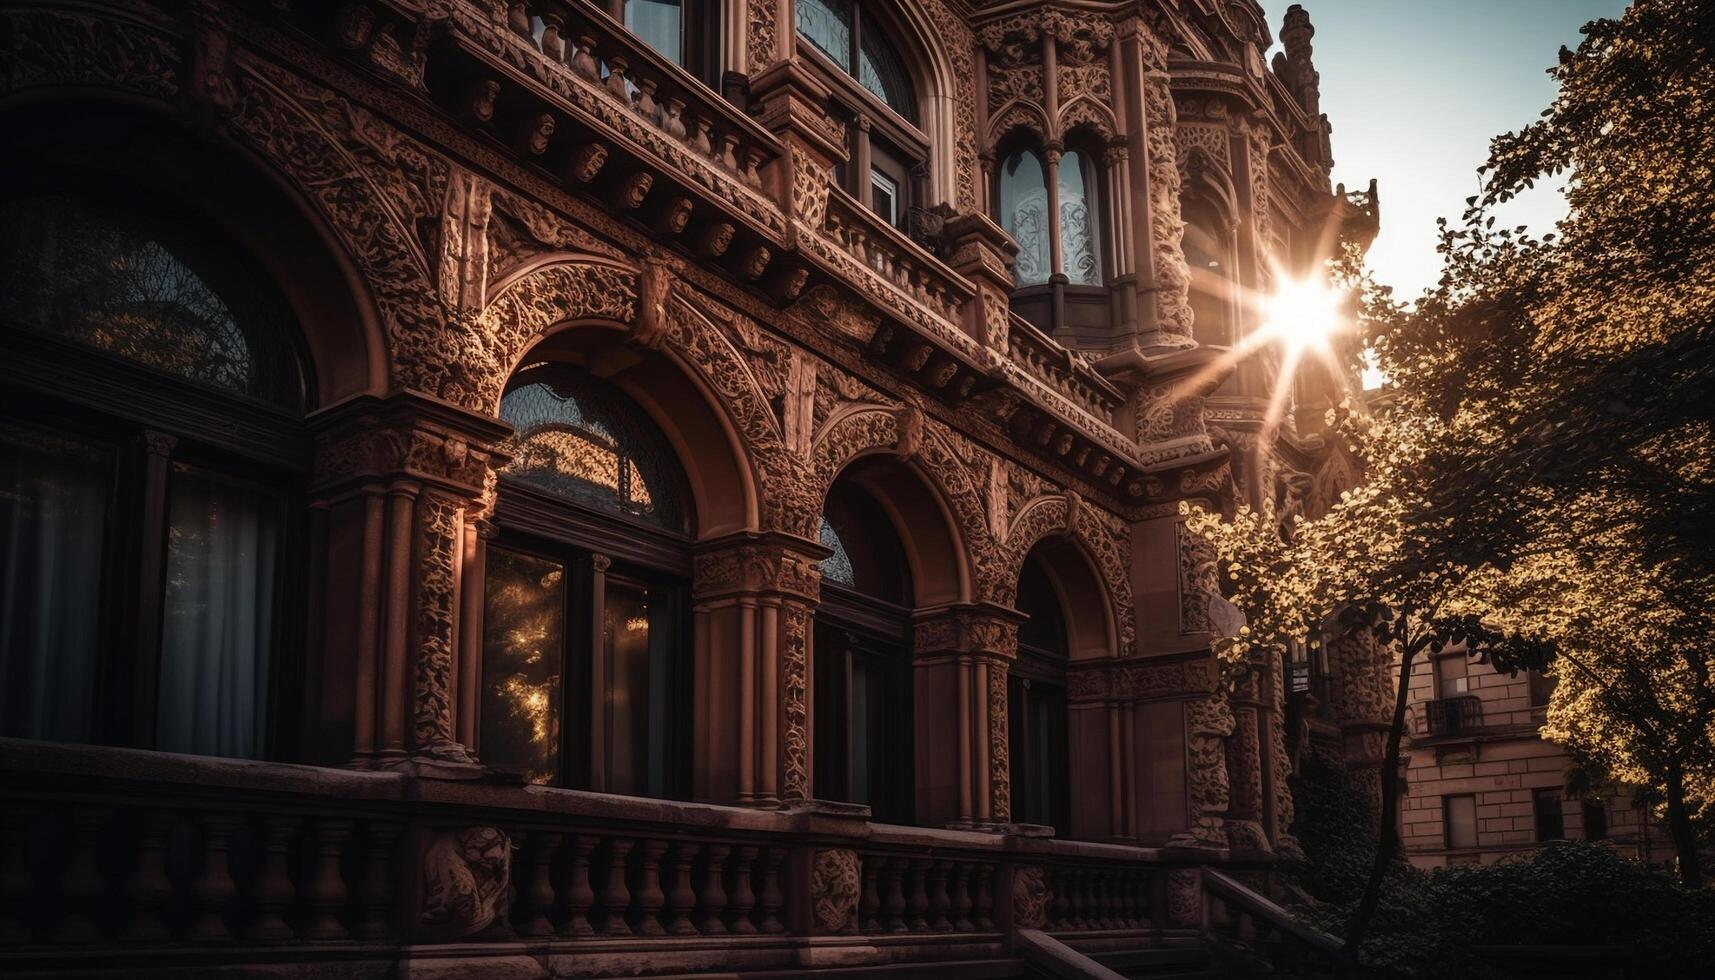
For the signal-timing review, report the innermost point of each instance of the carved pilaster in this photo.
(968, 649)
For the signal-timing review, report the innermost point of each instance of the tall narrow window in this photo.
(874, 97)
(1036, 709)
(1024, 215)
(1208, 255)
(1459, 816)
(145, 546)
(1595, 820)
(583, 676)
(1550, 819)
(862, 696)
(1083, 265)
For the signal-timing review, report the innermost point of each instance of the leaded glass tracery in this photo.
(1077, 225)
(580, 438)
(830, 26)
(881, 70)
(1024, 215)
(130, 287)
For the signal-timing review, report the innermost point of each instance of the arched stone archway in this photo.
(1104, 546)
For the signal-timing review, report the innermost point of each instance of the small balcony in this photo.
(1462, 715)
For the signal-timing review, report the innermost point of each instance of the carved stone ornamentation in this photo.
(834, 887)
(1030, 898)
(467, 877)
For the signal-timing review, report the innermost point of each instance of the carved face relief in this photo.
(588, 161)
(636, 189)
(758, 261)
(679, 215)
(718, 239)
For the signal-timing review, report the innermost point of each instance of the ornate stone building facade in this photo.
(643, 486)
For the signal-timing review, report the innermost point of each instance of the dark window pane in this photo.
(582, 439)
(217, 618)
(659, 24)
(1078, 223)
(1595, 820)
(1541, 688)
(882, 71)
(828, 25)
(636, 645)
(1024, 215)
(1550, 822)
(1045, 630)
(53, 522)
(1459, 814)
(135, 288)
(884, 196)
(524, 628)
(868, 556)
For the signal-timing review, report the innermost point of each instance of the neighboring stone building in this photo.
(499, 488)
(1482, 785)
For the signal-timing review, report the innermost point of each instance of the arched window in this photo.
(1024, 215)
(876, 100)
(1208, 253)
(1078, 224)
(151, 488)
(584, 682)
(1036, 709)
(862, 707)
(1048, 202)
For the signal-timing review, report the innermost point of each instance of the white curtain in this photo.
(53, 507)
(217, 619)
(1077, 224)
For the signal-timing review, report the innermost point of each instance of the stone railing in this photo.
(1063, 371)
(892, 268)
(115, 857)
(580, 53)
(1251, 928)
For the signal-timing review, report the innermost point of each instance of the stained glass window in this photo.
(828, 25)
(881, 70)
(130, 287)
(1024, 215)
(1077, 223)
(580, 438)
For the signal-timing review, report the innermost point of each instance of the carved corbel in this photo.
(587, 161)
(477, 106)
(655, 285)
(675, 216)
(534, 134)
(633, 190)
(909, 420)
(211, 91)
(718, 239)
(756, 263)
(790, 285)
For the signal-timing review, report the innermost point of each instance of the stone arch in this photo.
(1017, 119)
(1086, 113)
(1095, 539)
(677, 364)
(944, 105)
(321, 240)
(872, 430)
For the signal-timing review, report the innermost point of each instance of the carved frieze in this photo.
(467, 878)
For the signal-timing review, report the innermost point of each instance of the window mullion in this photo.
(600, 672)
(152, 532)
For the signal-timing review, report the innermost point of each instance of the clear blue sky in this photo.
(1415, 89)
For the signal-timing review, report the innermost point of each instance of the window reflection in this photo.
(659, 24)
(523, 630)
(1024, 215)
(1077, 229)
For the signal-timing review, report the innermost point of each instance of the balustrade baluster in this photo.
(649, 897)
(518, 17)
(961, 896)
(616, 66)
(150, 889)
(869, 898)
(982, 903)
(327, 882)
(536, 886)
(917, 905)
(552, 44)
(893, 902)
(82, 885)
(771, 899)
(579, 897)
(378, 883)
(583, 60)
(939, 901)
(743, 897)
(616, 891)
(646, 104)
(711, 893)
(681, 899)
(214, 889)
(1060, 899)
(273, 886)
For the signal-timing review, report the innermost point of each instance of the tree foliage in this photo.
(1540, 473)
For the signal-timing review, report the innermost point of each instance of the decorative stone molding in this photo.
(1208, 723)
(1105, 540)
(467, 877)
(1123, 681)
(834, 887)
(1030, 897)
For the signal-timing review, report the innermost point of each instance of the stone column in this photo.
(960, 656)
(754, 599)
(1244, 762)
(400, 479)
(1363, 706)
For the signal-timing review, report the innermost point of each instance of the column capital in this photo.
(750, 564)
(408, 436)
(978, 628)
